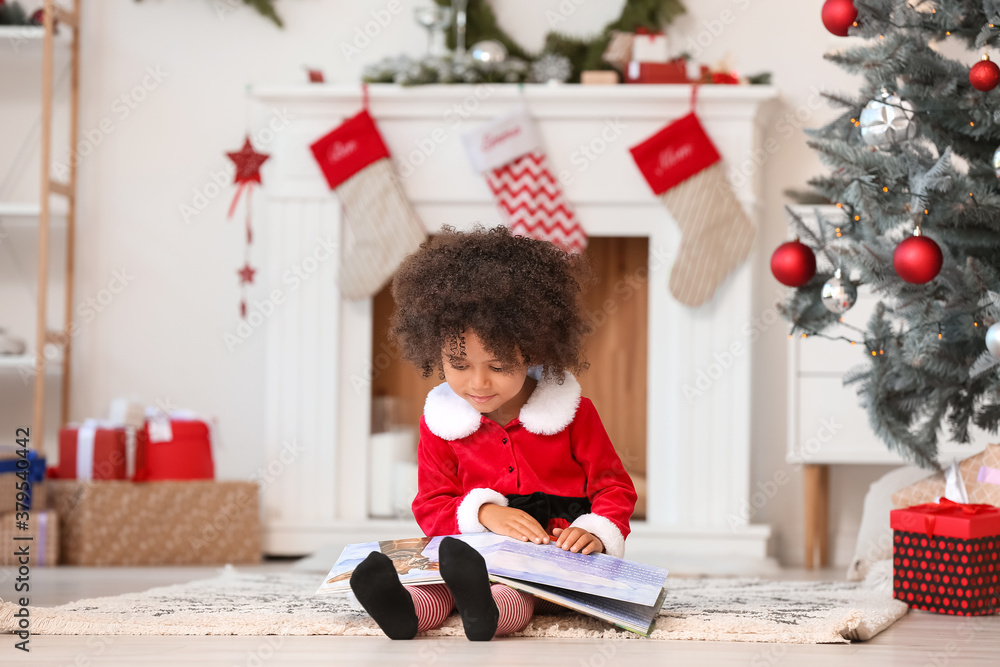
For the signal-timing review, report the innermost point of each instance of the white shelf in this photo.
(27, 361)
(32, 33)
(20, 209)
(22, 213)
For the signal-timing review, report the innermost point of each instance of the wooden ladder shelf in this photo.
(68, 20)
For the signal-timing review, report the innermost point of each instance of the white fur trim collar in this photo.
(550, 408)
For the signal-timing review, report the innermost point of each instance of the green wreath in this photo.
(583, 54)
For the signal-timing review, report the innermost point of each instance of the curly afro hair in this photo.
(515, 293)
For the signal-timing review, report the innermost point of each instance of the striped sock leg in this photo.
(432, 603)
(516, 608)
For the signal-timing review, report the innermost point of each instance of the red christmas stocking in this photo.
(381, 227)
(681, 165)
(508, 152)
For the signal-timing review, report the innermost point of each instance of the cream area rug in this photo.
(238, 603)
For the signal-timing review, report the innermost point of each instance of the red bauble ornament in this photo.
(917, 259)
(839, 16)
(984, 75)
(793, 264)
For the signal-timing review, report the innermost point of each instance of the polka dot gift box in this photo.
(946, 557)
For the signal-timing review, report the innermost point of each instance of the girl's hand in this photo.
(577, 539)
(512, 523)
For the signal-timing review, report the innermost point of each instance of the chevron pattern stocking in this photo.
(533, 203)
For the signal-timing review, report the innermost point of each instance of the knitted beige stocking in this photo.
(682, 166)
(716, 234)
(380, 225)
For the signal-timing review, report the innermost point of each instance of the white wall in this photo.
(161, 339)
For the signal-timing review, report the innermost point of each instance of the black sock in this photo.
(464, 570)
(378, 589)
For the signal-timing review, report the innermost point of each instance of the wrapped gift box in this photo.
(93, 450)
(650, 47)
(674, 71)
(157, 523)
(946, 558)
(43, 547)
(174, 449)
(10, 481)
(980, 474)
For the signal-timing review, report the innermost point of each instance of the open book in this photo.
(619, 591)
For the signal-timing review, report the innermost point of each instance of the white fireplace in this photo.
(319, 347)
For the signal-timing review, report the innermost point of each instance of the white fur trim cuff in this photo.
(605, 531)
(468, 509)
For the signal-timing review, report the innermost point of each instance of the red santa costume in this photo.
(554, 461)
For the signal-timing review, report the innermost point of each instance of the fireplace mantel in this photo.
(319, 347)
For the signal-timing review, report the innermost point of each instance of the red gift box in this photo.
(104, 455)
(674, 71)
(946, 557)
(178, 452)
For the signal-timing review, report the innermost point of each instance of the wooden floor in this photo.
(916, 640)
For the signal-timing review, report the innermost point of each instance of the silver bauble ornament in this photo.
(993, 339)
(996, 162)
(838, 294)
(551, 68)
(883, 122)
(489, 52)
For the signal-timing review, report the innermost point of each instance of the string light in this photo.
(856, 218)
(925, 211)
(839, 205)
(838, 231)
(948, 33)
(876, 347)
(972, 124)
(885, 189)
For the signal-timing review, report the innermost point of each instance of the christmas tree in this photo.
(915, 171)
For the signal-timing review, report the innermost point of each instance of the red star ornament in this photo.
(247, 162)
(246, 274)
(246, 278)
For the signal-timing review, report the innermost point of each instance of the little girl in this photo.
(507, 443)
